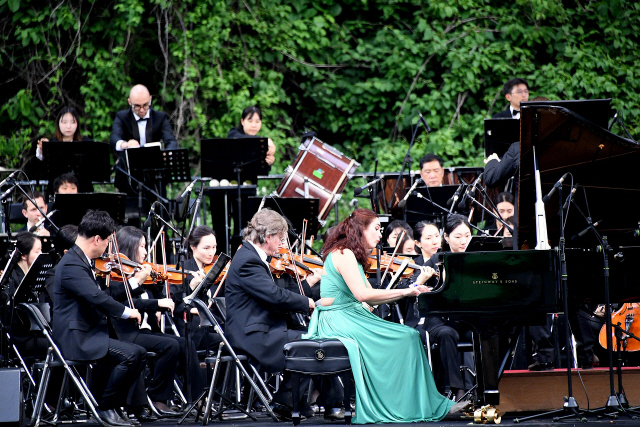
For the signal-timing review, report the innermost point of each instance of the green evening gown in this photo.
(391, 371)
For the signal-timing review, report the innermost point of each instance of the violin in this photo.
(624, 318)
(107, 265)
(287, 262)
(394, 263)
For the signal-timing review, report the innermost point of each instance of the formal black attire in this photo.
(125, 128)
(504, 114)
(288, 282)
(81, 329)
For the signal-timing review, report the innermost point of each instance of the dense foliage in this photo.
(356, 71)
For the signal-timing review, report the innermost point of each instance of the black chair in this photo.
(55, 359)
(463, 348)
(306, 358)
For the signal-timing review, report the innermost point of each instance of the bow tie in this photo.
(143, 119)
(515, 112)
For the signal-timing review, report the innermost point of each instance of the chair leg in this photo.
(295, 391)
(346, 383)
(42, 391)
(212, 388)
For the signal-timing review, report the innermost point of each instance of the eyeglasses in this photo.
(521, 92)
(137, 107)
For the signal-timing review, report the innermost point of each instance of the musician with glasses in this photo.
(138, 125)
(515, 91)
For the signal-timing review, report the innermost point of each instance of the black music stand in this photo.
(239, 159)
(297, 209)
(176, 165)
(499, 134)
(72, 207)
(419, 210)
(33, 282)
(88, 160)
(485, 244)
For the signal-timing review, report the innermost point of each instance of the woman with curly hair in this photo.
(391, 386)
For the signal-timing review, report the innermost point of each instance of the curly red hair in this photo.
(349, 235)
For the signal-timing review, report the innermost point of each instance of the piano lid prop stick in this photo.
(542, 240)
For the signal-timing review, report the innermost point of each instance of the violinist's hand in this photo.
(417, 290)
(135, 314)
(166, 303)
(42, 232)
(599, 311)
(198, 277)
(312, 305)
(194, 311)
(271, 152)
(132, 143)
(494, 156)
(426, 273)
(315, 276)
(142, 275)
(159, 317)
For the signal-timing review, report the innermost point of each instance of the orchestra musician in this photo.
(132, 244)
(393, 230)
(457, 234)
(432, 170)
(64, 240)
(515, 90)
(257, 308)
(249, 126)
(33, 215)
(67, 130)
(136, 126)
(386, 385)
(67, 183)
(80, 319)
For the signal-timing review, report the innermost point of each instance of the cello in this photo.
(625, 318)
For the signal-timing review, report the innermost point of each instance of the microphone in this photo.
(453, 199)
(424, 122)
(9, 178)
(7, 193)
(359, 190)
(189, 188)
(471, 191)
(150, 218)
(403, 202)
(39, 223)
(262, 202)
(569, 197)
(583, 232)
(557, 185)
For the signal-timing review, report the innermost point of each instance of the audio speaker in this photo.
(10, 396)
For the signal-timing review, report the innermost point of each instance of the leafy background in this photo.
(357, 72)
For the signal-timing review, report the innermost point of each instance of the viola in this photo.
(625, 317)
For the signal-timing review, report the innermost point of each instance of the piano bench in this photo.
(305, 358)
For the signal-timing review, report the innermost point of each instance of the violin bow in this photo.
(125, 281)
(395, 250)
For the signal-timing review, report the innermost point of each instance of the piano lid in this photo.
(602, 163)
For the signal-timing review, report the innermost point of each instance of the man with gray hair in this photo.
(257, 308)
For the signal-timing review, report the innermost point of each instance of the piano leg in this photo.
(488, 369)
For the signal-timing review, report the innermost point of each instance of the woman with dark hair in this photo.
(67, 129)
(389, 388)
(393, 230)
(427, 239)
(249, 126)
(457, 234)
(132, 244)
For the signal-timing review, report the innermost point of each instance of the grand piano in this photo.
(490, 290)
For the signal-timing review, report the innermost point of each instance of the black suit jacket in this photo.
(80, 309)
(504, 114)
(127, 330)
(125, 128)
(257, 310)
(498, 172)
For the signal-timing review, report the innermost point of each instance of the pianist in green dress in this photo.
(395, 385)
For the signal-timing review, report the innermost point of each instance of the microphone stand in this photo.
(407, 159)
(420, 196)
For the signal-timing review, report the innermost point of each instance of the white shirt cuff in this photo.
(127, 312)
(119, 145)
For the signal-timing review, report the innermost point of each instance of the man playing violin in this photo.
(80, 319)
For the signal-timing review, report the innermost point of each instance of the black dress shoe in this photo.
(122, 414)
(541, 366)
(144, 415)
(164, 410)
(284, 412)
(334, 414)
(110, 416)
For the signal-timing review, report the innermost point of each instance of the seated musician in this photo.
(249, 126)
(139, 125)
(80, 325)
(393, 230)
(446, 333)
(432, 170)
(66, 184)
(515, 91)
(33, 215)
(505, 208)
(202, 247)
(257, 309)
(29, 246)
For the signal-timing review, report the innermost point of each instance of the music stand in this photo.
(33, 282)
(234, 158)
(88, 160)
(499, 134)
(296, 210)
(72, 207)
(485, 244)
(419, 210)
(176, 165)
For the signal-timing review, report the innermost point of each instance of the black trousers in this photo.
(541, 336)
(160, 383)
(445, 334)
(116, 372)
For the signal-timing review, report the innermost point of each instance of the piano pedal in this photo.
(487, 414)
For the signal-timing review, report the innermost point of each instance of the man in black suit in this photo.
(137, 126)
(257, 309)
(516, 91)
(80, 320)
